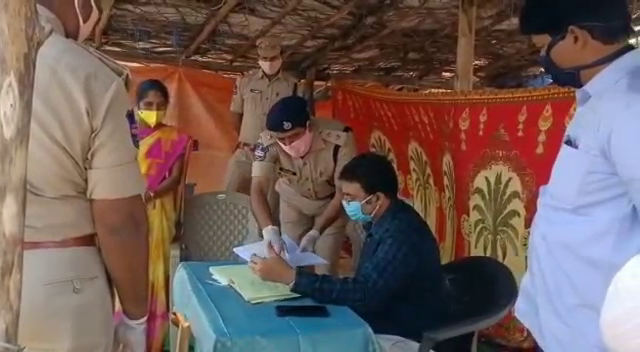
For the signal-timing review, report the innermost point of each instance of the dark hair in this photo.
(608, 22)
(373, 172)
(151, 85)
(609, 34)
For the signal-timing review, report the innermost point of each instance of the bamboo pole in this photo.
(19, 35)
(466, 43)
(307, 92)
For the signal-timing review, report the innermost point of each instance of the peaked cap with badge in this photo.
(269, 46)
(287, 114)
(553, 17)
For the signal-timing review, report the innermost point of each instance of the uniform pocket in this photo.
(568, 174)
(72, 285)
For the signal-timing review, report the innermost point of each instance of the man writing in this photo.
(397, 287)
(587, 223)
(83, 187)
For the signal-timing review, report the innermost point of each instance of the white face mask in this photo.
(270, 67)
(87, 27)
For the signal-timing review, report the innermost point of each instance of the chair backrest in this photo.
(214, 223)
(479, 292)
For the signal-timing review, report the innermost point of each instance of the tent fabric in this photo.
(470, 163)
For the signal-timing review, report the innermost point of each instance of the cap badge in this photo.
(287, 125)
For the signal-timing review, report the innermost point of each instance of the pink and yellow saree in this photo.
(159, 150)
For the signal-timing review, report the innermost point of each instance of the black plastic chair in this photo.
(479, 292)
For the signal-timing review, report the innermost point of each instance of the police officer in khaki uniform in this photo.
(306, 155)
(83, 187)
(253, 96)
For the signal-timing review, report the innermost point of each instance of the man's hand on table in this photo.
(273, 268)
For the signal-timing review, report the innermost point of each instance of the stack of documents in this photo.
(249, 286)
(292, 256)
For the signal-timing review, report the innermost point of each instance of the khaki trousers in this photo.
(238, 178)
(66, 302)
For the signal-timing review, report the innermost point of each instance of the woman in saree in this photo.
(162, 157)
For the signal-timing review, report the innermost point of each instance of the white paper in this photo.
(292, 256)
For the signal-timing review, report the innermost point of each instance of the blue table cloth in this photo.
(221, 321)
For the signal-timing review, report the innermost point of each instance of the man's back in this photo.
(415, 305)
(80, 159)
(67, 156)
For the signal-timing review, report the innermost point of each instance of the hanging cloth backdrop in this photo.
(470, 163)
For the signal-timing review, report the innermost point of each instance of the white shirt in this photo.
(620, 317)
(587, 225)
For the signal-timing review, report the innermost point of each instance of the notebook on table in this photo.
(248, 285)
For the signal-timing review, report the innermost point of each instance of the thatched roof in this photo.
(391, 41)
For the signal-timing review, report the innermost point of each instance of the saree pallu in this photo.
(159, 150)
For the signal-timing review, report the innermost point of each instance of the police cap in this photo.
(288, 113)
(553, 17)
(269, 46)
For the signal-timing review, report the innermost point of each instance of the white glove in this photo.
(308, 243)
(271, 234)
(132, 334)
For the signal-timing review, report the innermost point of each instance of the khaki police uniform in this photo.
(80, 149)
(253, 96)
(307, 185)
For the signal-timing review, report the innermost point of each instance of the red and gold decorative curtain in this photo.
(471, 164)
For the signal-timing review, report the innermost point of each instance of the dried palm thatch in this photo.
(395, 42)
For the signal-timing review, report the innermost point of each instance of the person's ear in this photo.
(578, 36)
(376, 198)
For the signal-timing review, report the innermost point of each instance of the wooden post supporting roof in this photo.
(466, 44)
(307, 92)
(19, 35)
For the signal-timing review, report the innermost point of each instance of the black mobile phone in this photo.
(302, 311)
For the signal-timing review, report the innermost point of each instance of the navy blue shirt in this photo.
(398, 285)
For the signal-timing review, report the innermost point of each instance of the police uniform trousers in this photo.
(297, 216)
(66, 301)
(238, 176)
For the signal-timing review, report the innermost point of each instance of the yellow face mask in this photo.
(150, 117)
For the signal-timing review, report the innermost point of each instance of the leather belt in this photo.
(82, 241)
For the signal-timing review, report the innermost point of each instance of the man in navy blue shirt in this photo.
(397, 286)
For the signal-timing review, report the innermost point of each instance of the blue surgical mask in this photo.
(354, 210)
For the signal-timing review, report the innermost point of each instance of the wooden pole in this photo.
(20, 36)
(466, 43)
(309, 81)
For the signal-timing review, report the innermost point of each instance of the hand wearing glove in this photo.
(271, 234)
(132, 334)
(308, 243)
